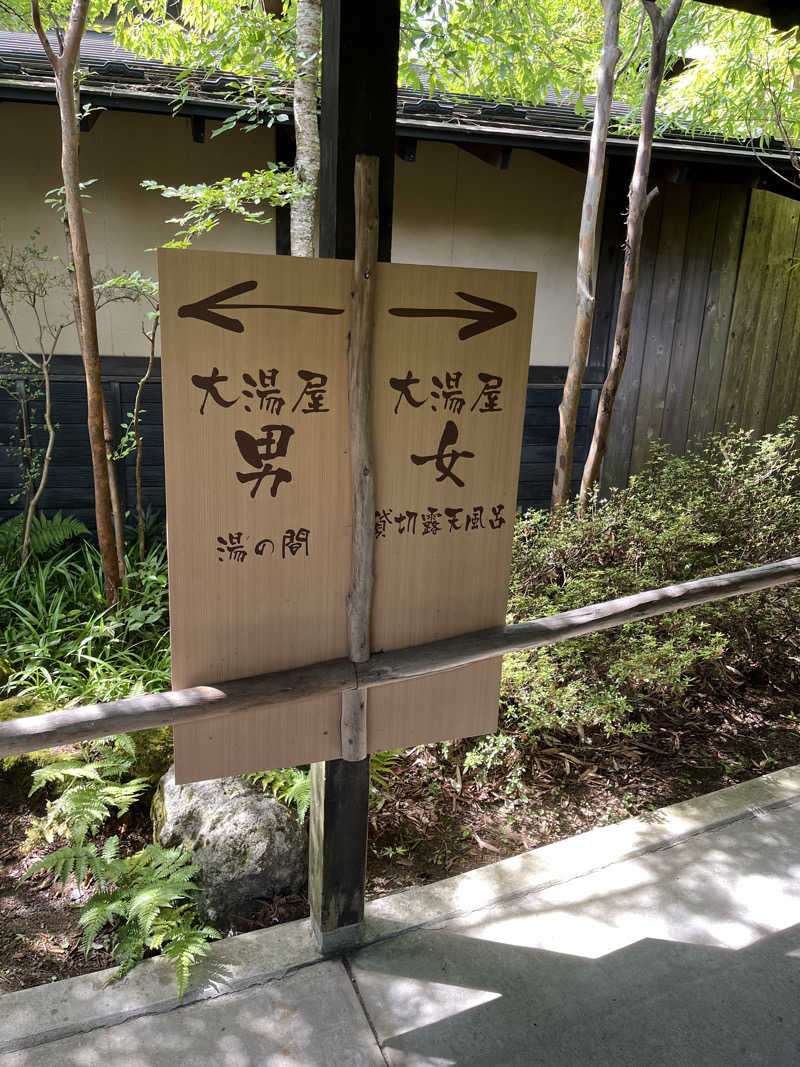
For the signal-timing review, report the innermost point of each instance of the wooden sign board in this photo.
(258, 488)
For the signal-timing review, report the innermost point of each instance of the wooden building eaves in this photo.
(119, 81)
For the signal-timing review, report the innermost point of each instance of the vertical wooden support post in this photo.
(359, 108)
(359, 388)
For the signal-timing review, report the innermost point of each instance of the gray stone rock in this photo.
(248, 846)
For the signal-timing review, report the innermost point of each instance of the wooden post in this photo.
(359, 106)
(359, 387)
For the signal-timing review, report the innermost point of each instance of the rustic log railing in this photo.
(339, 676)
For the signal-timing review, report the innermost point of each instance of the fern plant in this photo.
(91, 785)
(146, 900)
(47, 534)
(292, 785)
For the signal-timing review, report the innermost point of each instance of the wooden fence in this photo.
(28, 734)
(714, 338)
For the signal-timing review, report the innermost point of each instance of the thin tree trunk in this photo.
(64, 64)
(587, 239)
(306, 165)
(46, 459)
(137, 435)
(26, 445)
(32, 499)
(638, 202)
(117, 516)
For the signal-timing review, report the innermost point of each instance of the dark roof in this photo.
(119, 80)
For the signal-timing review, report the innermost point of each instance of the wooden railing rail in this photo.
(54, 728)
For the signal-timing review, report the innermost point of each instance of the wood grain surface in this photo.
(277, 609)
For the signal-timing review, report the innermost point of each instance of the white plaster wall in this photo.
(124, 221)
(451, 208)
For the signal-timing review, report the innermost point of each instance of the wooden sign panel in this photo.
(258, 488)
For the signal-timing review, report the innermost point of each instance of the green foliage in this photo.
(145, 899)
(134, 285)
(382, 765)
(732, 504)
(56, 199)
(759, 69)
(91, 785)
(292, 785)
(47, 534)
(63, 644)
(246, 197)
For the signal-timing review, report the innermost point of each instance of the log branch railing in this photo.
(55, 728)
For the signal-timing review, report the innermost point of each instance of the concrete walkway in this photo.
(668, 940)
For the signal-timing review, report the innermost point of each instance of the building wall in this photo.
(124, 221)
(450, 208)
(714, 338)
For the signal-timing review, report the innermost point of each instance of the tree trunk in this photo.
(306, 165)
(638, 202)
(64, 65)
(117, 516)
(32, 496)
(46, 459)
(108, 436)
(584, 310)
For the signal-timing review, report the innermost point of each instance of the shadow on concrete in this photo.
(690, 955)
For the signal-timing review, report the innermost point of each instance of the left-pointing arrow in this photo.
(208, 309)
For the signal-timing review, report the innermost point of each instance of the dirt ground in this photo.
(432, 821)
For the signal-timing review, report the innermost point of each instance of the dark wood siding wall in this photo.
(540, 433)
(69, 486)
(714, 338)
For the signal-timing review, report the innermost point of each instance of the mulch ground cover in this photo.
(431, 821)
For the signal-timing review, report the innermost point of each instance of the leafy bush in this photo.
(731, 504)
(145, 899)
(60, 641)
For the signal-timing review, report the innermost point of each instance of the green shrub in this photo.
(61, 643)
(731, 504)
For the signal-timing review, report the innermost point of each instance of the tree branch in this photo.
(75, 27)
(15, 336)
(36, 15)
(635, 47)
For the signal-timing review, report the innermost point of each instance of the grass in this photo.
(63, 645)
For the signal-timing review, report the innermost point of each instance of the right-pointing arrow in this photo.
(494, 314)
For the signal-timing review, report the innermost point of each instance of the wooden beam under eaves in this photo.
(495, 155)
(88, 120)
(406, 149)
(198, 129)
